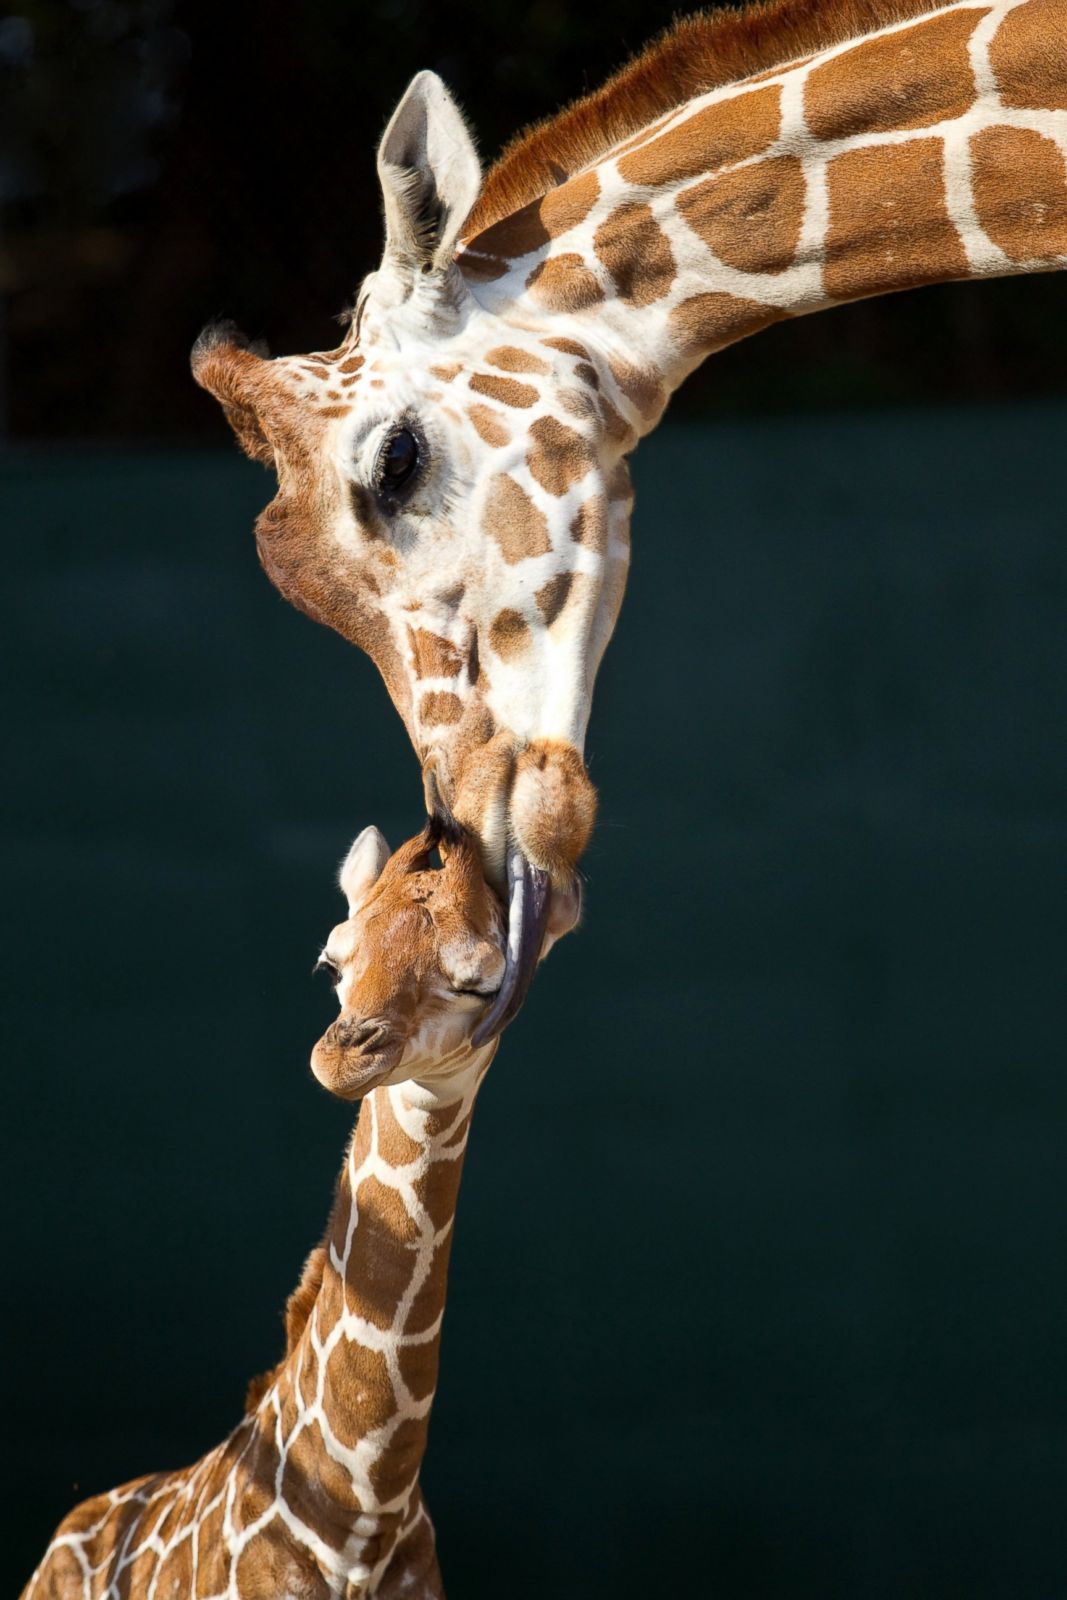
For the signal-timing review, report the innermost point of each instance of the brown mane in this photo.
(698, 53)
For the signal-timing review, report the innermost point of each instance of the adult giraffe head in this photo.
(452, 498)
(453, 488)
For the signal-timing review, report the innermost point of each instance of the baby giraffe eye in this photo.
(324, 964)
(397, 463)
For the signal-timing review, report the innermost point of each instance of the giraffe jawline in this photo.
(529, 896)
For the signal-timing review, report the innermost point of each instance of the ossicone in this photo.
(233, 367)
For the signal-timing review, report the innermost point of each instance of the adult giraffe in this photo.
(453, 490)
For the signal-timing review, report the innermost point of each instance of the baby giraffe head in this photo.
(415, 965)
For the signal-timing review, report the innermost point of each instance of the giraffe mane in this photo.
(694, 55)
(298, 1309)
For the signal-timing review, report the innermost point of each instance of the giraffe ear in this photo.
(430, 176)
(363, 867)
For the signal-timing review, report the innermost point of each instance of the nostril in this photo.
(357, 1035)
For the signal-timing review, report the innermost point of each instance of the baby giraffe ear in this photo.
(430, 176)
(363, 867)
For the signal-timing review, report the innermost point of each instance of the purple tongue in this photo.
(529, 890)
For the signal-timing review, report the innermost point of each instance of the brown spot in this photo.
(587, 374)
(889, 227)
(558, 456)
(481, 268)
(615, 426)
(333, 394)
(552, 596)
(353, 364)
(271, 1563)
(418, 1369)
(61, 1574)
(909, 79)
(709, 322)
(543, 220)
(346, 383)
(642, 386)
(635, 250)
(508, 391)
(259, 1467)
(447, 371)
(434, 657)
(719, 135)
(396, 1469)
(316, 372)
(509, 634)
(489, 424)
(394, 1145)
(512, 359)
(590, 525)
(318, 1488)
(1029, 57)
(564, 283)
(512, 519)
(619, 485)
(436, 709)
(751, 219)
(1020, 192)
(578, 403)
(570, 347)
(334, 411)
(309, 1374)
(361, 1396)
(212, 1548)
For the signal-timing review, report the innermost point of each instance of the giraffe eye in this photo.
(397, 463)
(324, 964)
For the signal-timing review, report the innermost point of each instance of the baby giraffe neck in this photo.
(353, 1398)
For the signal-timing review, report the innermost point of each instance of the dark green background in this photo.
(758, 1286)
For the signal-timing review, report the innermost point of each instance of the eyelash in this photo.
(324, 964)
(394, 492)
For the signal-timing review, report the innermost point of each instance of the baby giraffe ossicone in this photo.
(316, 1493)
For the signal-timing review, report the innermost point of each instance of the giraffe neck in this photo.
(930, 150)
(353, 1397)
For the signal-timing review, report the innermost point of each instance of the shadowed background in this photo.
(757, 1287)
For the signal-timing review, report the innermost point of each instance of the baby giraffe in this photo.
(316, 1492)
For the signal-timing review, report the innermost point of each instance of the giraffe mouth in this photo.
(529, 898)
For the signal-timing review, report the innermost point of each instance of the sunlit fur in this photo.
(421, 950)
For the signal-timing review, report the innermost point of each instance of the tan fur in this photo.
(558, 457)
(750, 218)
(512, 519)
(1029, 57)
(1019, 179)
(888, 221)
(889, 83)
(489, 425)
(563, 283)
(553, 805)
(637, 254)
